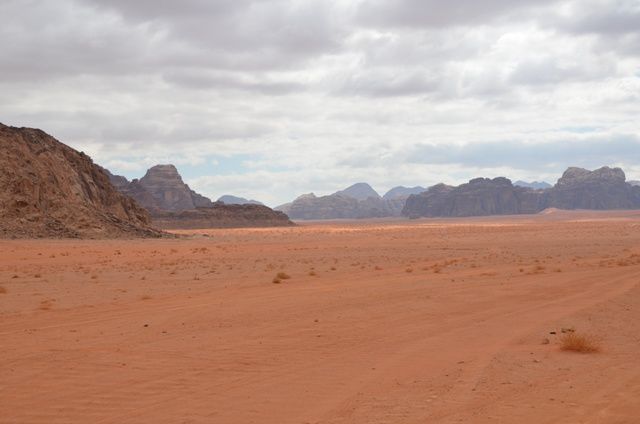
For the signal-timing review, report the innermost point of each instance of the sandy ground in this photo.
(442, 321)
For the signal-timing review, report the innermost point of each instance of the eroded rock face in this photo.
(479, 197)
(578, 188)
(173, 205)
(169, 191)
(160, 190)
(602, 189)
(220, 215)
(48, 189)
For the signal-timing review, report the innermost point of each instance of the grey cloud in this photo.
(588, 152)
(202, 80)
(616, 18)
(390, 83)
(436, 13)
(551, 70)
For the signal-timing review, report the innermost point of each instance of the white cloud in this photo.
(321, 94)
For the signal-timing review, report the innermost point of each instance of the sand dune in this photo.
(437, 321)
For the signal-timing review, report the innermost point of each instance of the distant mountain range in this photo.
(578, 188)
(604, 188)
(358, 201)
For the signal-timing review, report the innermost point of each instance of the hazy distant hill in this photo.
(235, 200)
(537, 185)
(403, 192)
(359, 191)
(358, 201)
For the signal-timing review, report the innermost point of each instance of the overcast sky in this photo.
(274, 98)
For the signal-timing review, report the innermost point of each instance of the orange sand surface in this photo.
(428, 321)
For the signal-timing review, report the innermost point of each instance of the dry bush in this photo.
(283, 276)
(581, 343)
(145, 297)
(276, 280)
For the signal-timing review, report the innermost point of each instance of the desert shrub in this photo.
(581, 343)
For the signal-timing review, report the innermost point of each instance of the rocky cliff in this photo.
(604, 188)
(160, 190)
(220, 215)
(48, 189)
(478, 197)
(173, 205)
(169, 191)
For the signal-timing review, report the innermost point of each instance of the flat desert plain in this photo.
(428, 321)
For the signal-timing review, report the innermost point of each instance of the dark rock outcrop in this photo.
(161, 190)
(478, 197)
(220, 215)
(48, 189)
(602, 189)
(169, 191)
(173, 205)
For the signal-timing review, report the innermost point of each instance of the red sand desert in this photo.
(430, 321)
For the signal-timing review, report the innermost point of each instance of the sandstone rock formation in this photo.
(173, 205)
(169, 191)
(235, 200)
(48, 189)
(220, 215)
(604, 188)
(160, 190)
(478, 197)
